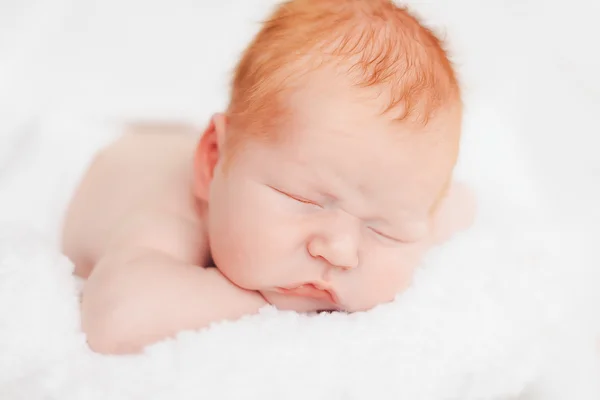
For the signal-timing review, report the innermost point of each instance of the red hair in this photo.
(382, 44)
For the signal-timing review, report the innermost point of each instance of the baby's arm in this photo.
(140, 296)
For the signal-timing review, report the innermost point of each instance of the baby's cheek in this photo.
(236, 259)
(231, 248)
(399, 278)
(398, 270)
(250, 251)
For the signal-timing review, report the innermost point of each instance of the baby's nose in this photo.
(339, 252)
(338, 245)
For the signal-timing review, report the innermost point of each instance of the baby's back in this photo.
(137, 192)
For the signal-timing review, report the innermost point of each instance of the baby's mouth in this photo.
(311, 291)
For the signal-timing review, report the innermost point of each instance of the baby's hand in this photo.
(137, 297)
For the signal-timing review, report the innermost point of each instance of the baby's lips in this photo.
(312, 291)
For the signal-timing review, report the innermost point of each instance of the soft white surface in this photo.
(508, 309)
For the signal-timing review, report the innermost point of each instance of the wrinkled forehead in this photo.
(372, 177)
(410, 172)
(336, 136)
(344, 132)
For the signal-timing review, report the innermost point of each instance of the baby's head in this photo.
(327, 168)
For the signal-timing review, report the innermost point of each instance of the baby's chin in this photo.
(299, 304)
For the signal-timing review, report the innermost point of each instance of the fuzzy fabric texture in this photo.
(506, 310)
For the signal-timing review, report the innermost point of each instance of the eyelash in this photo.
(385, 236)
(305, 201)
(299, 199)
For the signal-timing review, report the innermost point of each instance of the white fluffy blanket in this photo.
(507, 310)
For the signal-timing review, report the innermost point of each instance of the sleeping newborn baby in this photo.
(318, 189)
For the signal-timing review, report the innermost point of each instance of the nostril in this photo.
(334, 251)
(349, 267)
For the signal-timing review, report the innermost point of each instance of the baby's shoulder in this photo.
(137, 191)
(180, 234)
(164, 213)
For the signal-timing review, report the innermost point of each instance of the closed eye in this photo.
(295, 197)
(387, 236)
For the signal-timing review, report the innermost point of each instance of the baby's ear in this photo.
(207, 155)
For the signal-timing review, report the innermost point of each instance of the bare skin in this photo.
(334, 216)
(135, 230)
(128, 182)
